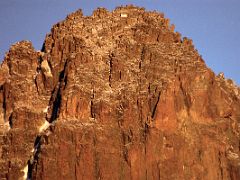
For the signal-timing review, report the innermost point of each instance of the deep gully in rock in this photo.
(56, 101)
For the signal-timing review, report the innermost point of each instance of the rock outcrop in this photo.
(116, 95)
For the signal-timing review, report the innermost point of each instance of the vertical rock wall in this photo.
(116, 95)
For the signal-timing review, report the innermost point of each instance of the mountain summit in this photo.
(116, 95)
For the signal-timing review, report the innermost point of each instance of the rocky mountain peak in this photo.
(116, 95)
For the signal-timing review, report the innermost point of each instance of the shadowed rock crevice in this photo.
(56, 97)
(92, 107)
(110, 69)
(155, 105)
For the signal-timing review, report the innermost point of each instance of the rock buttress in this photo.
(116, 95)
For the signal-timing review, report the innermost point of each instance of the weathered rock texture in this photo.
(116, 95)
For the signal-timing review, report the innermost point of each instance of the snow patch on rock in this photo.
(123, 15)
(44, 126)
(25, 170)
(46, 69)
(46, 109)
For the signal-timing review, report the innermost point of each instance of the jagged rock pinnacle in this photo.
(116, 95)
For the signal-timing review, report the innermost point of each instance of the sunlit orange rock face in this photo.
(116, 95)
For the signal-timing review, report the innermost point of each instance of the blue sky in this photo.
(214, 25)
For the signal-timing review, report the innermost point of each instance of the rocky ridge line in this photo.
(116, 95)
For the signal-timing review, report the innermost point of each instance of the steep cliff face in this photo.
(116, 95)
